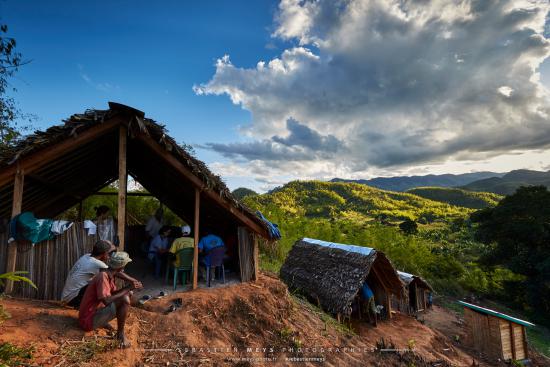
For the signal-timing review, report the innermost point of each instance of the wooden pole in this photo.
(15, 210)
(196, 231)
(256, 258)
(122, 185)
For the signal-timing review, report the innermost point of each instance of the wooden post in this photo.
(122, 186)
(196, 231)
(256, 258)
(15, 210)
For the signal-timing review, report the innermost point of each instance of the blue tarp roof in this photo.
(495, 313)
(350, 248)
(404, 275)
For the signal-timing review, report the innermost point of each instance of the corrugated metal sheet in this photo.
(496, 313)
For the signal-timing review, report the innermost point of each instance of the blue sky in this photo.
(137, 53)
(151, 55)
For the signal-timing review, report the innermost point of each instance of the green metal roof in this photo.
(495, 313)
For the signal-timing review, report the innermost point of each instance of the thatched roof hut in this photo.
(417, 290)
(51, 171)
(332, 274)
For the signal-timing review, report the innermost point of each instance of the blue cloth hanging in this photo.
(273, 229)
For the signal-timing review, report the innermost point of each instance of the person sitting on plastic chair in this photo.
(185, 241)
(208, 243)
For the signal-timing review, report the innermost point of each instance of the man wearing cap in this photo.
(102, 302)
(85, 269)
(183, 242)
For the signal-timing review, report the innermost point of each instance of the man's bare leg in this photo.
(122, 307)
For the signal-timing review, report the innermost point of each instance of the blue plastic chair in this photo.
(185, 257)
(216, 261)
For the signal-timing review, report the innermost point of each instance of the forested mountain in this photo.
(404, 183)
(458, 197)
(508, 183)
(338, 200)
(241, 192)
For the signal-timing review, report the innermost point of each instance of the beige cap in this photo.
(118, 260)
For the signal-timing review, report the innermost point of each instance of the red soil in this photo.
(233, 326)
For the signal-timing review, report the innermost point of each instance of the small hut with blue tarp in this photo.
(333, 274)
(417, 291)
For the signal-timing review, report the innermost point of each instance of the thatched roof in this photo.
(55, 185)
(333, 273)
(408, 279)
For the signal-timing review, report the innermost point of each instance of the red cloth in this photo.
(101, 286)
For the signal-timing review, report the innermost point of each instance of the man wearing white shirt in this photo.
(85, 269)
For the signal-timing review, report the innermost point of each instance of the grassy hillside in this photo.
(508, 183)
(443, 251)
(458, 197)
(356, 202)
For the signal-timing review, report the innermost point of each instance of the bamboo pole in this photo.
(196, 230)
(15, 210)
(122, 185)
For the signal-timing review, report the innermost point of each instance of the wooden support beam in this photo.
(388, 301)
(196, 232)
(127, 194)
(17, 203)
(122, 185)
(37, 159)
(256, 258)
(198, 183)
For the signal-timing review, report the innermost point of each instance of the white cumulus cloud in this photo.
(392, 83)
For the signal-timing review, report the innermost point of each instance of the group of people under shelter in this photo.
(165, 242)
(90, 286)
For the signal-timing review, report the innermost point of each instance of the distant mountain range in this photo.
(508, 183)
(404, 183)
(458, 197)
(498, 183)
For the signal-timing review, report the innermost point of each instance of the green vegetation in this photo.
(139, 208)
(458, 197)
(11, 355)
(443, 251)
(16, 276)
(241, 192)
(517, 234)
(355, 202)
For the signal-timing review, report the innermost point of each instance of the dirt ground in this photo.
(239, 325)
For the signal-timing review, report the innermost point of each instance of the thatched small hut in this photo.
(51, 171)
(332, 274)
(494, 334)
(416, 294)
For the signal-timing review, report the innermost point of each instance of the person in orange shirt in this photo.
(102, 302)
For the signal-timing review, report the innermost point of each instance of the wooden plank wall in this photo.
(482, 333)
(48, 262)
(246, 254)
(513, 340)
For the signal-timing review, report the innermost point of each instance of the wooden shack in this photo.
(332, 274)
(494, 334)
(416, 294)
(51, 171)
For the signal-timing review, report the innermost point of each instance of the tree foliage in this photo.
(10, 114)
(518, 232)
